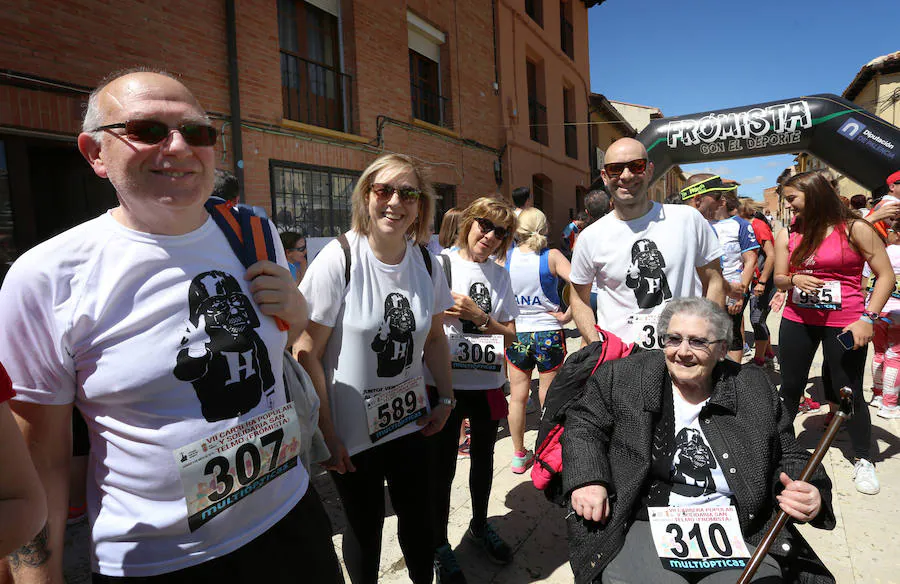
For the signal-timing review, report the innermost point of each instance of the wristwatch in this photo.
(447, 401)
(483, 326)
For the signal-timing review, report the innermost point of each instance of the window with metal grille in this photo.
(313, 201)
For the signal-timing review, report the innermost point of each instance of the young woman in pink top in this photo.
(819, 261)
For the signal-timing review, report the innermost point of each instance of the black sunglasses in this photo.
(154, 132)
(385, 191)
(615, 169)
(486, 226)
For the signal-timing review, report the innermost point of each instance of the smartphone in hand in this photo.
(846, 340)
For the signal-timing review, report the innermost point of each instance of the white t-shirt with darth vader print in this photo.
(373, 358)
(157, 341)
(642, 264)
(696, 476)
(478, 359)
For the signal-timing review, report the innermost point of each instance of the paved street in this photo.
(857, 551)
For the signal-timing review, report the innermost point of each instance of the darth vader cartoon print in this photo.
(692, 465)
(481, 295)
(230, 371)
(393, 343)
(646, 276)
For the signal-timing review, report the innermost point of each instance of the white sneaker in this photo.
(889, 412)
(876, 401)
(864, 477)
(773, 364)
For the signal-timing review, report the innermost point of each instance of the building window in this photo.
(425, 74)
(444, 200)
(541, 188)
(570, 129)
(535, 9)
(566, 30)
(537, 111)
(313, 201)
(313, 89)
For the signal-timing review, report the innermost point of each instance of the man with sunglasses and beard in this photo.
(105, 317)
(641, 255)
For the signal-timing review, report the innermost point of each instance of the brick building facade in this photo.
(324, 87)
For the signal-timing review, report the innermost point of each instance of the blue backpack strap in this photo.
(548, 280)
(225, 218)
(509, 253)
(249, 235)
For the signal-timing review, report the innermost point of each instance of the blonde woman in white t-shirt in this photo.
(479, 325)
(534, 271)
(376, 310)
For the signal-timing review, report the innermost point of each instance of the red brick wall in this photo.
(81, 41)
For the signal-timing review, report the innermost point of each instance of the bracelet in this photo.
(761, 282)
(865, 318)
(447, 401)
(792, 279)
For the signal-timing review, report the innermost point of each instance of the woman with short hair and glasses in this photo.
(371, 324)
(661, 440)
(819, 262)
(479, 326)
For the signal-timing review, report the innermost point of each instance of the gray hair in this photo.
(719, 321)
(93, 117)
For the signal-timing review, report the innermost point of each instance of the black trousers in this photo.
(404, 464)
(470, 404)
(797, 344)
(295, 550)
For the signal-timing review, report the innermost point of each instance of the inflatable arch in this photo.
(856, 143)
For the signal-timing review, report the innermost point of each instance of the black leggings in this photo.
(797, 344)
(737, 328)
(471, 404)
(759, 310)
(401, 462)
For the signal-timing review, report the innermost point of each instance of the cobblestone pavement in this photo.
(857, 551)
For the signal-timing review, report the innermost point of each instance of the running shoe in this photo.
(463, 450)
(748, 351)
(446, 567)
(889, 412)
(772, 363)
(521, 461)
(497, 550)
(808, 405)
(876, 401)
(864, 477)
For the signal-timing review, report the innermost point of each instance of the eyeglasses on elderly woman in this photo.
(674, 341)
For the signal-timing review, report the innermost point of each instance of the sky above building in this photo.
(693, 56)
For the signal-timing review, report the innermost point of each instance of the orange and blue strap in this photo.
(249, 235)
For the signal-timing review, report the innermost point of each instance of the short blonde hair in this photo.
(418, 231)
(499, 212)
(532, 229)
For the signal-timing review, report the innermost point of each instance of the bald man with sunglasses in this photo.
(641, 255)
(145, 319)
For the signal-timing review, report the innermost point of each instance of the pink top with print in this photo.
(835, 260)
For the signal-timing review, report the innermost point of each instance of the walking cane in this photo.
(845, 411)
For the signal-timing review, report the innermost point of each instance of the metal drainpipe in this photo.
(237, 147)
